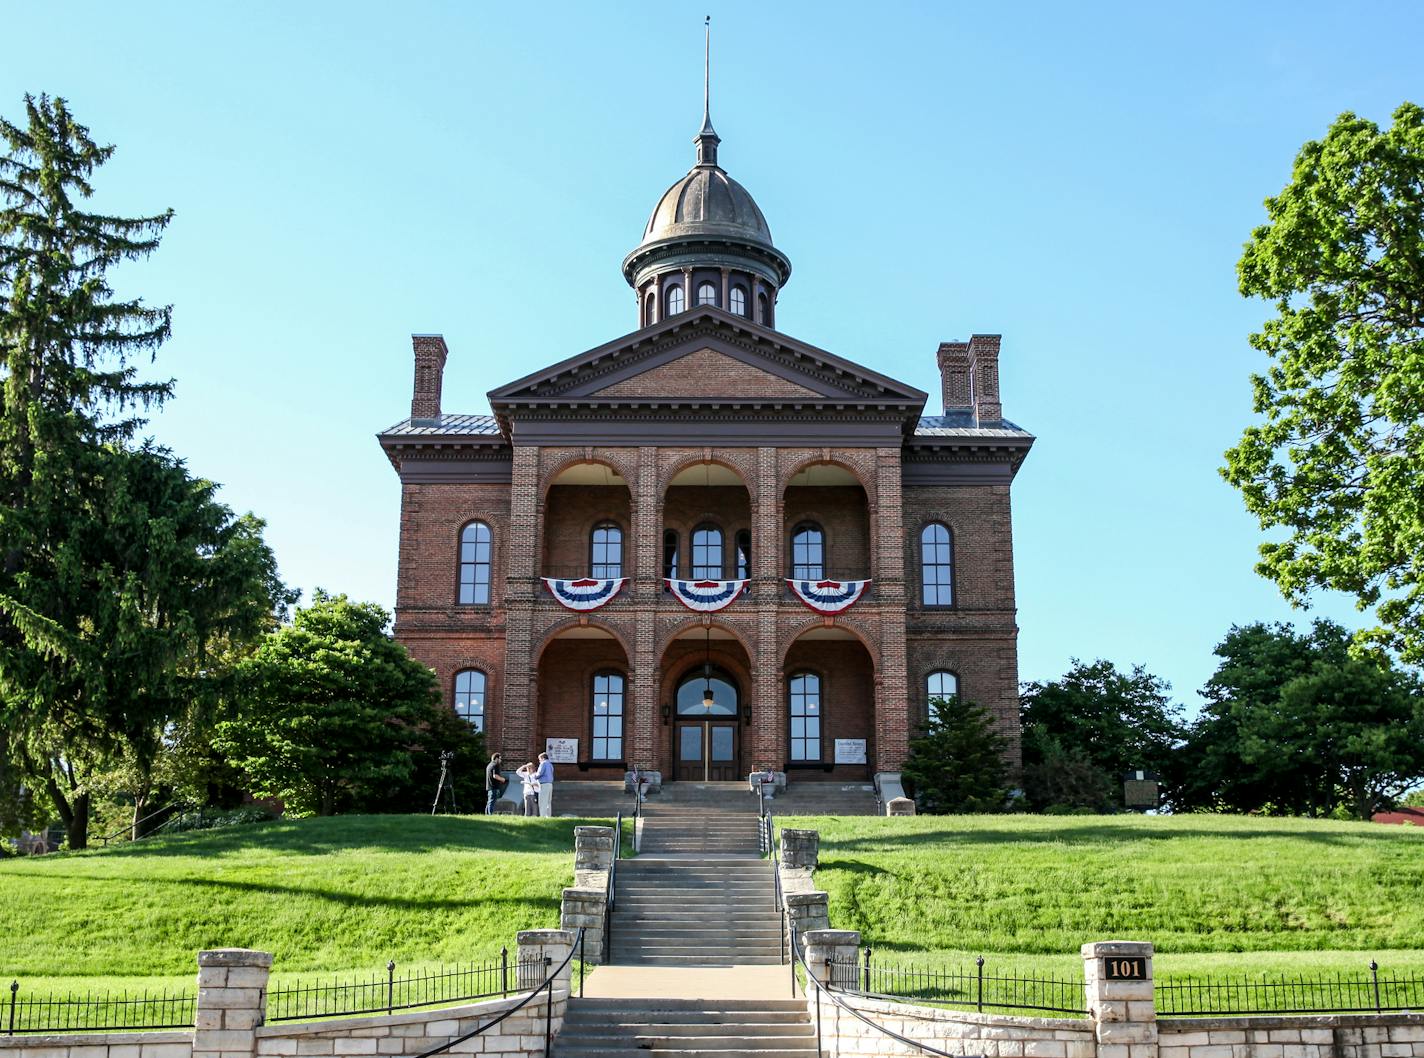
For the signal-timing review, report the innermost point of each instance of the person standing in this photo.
(529, 777)
(545, 775)
(495, 783)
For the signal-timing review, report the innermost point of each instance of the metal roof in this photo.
(446, 425)
(963, 424)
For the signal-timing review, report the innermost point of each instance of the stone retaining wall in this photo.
(100, 1045)
(1308, 1036)
(954, 1032)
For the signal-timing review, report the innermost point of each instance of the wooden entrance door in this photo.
(706, 750)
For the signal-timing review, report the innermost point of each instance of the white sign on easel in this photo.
(850, 751)
(562, 750)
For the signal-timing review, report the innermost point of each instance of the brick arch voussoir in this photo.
(624, 468)
(738, 463)
(864, 475)
(551, 632)
(850, 624)
(666, 640)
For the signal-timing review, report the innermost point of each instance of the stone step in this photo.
(662, 1004)
(579, 1016)
(763, 1049)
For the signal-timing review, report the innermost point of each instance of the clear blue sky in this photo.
(1077, 177)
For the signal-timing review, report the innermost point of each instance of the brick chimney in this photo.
(969, 377)
(430, 353)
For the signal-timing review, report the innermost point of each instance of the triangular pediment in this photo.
(706, 355)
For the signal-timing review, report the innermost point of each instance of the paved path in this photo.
(693, 982)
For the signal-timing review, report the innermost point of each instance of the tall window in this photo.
(608, 716)
(648, 303)
(670, 553)
(744, 554)
(706, 294)
(808, 552)
(937, 565)
(470, 697)
(607, 551)
(675, 300)
(805, 716)
(942, 684)
(707, 553)
(761, 309)
(738, 299)
(475, 564)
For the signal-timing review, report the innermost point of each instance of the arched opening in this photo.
(705, 506)
(706, 687)
(763, 311)
(675, 301)
(706, 294)
(828, 711)
(826, 519)
(737, 300)
(588, 516)
(585, 695)
(650, 308)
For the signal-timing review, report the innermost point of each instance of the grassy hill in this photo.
(1214, 893)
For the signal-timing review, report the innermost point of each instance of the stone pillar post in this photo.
(826, 946)
(540, 952)
(1117, 977)
(232, 1002)
(806, 912)
(584, 908)
(593, 855)
(799, 850)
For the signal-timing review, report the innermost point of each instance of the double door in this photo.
(706, 750)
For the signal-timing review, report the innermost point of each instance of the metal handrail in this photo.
(812, 979)
(547, 987)
(104, 839)
(610, 890)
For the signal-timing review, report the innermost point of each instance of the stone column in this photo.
(799, 850)
(540, 952)
(1117, 978)
(593, 855)
(824, 946)
(647, 732)
(806, 912)
(584, 908)
(232, 1002)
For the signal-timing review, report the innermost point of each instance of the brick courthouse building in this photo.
(707, 446)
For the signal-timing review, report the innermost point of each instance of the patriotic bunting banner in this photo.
(586, 593)
(828, 596)
(705, 596)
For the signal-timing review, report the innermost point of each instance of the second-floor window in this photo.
(937, 565)
(474, 564)
(670, 554)
(808, 552)
(606, 551)
(744, 555)
(707, 553)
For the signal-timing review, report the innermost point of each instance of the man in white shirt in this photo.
(545, 775)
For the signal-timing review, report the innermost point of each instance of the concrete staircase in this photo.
(687, 1028)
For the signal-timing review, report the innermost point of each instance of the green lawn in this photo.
(1215, 894)
(320, 894)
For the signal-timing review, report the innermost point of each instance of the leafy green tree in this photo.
(333, 710)
(1095, 719)
(117, 569)
(1296, 723)
(1337, 460)
(957, 765)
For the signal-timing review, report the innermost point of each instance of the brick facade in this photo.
(564, 453)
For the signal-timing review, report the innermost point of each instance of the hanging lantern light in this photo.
(707, 700)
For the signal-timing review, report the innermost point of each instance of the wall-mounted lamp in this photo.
(666, 711)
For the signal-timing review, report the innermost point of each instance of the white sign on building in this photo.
(562, 750)
(850, 751)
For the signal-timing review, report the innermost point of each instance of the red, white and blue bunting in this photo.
(828, 596)
(586, 593)
(705, 596)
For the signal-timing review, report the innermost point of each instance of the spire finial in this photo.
(707, 139)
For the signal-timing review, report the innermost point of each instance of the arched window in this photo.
(675, 301)
(744, 554)
(937, 565)
(649, 303)
(805, 709)
(940, 686)
(608, 716)
(692, 693)
(738, 300)
(707, 553)
(606, 558)
(706, 294)
(808, 552)
(670, 553)
(475, 564)
(470, 697)
(762, 305)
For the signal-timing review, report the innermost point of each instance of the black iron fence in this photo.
(1366, 992)
(392, 991)
(975, 988)
(97, 1011)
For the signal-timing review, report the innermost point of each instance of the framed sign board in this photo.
(1140, 793)
(562, 750)
(1124, 969)
(850, 751)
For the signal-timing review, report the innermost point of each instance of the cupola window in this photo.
(706, 294)
(761, 309)
(675, 301)
(738, 300)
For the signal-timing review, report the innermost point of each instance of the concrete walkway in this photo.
(688, 982)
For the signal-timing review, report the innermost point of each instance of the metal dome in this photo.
(707, 202)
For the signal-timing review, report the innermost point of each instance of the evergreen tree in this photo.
(957, 765)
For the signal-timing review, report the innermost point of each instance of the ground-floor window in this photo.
(941, 685)
(470, 697)
(608, 716)
(805, 702)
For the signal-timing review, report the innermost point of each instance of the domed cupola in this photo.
(706, 243)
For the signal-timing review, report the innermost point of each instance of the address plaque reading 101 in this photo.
(1125, 969)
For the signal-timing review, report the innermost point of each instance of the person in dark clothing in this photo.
(494, 783)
